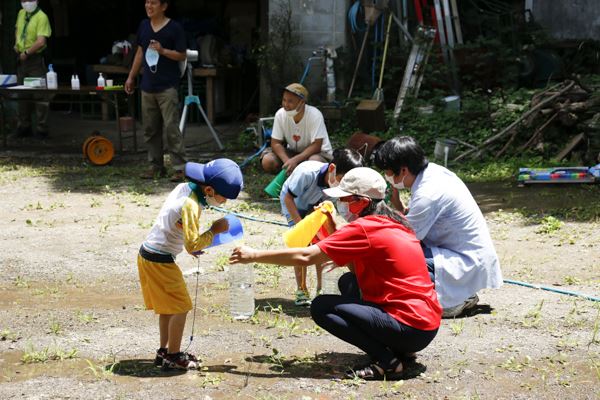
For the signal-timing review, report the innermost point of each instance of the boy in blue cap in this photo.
(303, 190)
(176, 227)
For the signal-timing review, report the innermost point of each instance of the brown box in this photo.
(370, 116)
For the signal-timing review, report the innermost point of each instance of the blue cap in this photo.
(222, 174)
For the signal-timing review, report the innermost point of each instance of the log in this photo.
(538, 132)
(570, 146)
(567, 86)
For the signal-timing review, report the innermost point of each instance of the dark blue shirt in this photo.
(171, 37)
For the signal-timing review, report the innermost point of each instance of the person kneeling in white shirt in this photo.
(299, 133)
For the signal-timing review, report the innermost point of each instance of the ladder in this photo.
(415, 66)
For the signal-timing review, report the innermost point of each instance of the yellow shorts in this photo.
(163, 287)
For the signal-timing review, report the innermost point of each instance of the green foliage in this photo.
(276, 56)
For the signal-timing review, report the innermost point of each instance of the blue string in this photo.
(248, 217)
(529, 285)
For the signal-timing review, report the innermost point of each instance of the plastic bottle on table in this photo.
(76, 84)
(51, 78)
(241, 291)
(101, 81)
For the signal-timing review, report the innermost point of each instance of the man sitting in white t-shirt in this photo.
(299, 133)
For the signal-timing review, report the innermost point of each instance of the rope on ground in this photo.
(248, 217)
(510, 281)
(569, 293)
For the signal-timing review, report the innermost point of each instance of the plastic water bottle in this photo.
(77, 84)
(330, 279)
(51, 78)
(101, 81)
(241, 291)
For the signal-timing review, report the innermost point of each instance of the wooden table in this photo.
(107, 96)
(211, 74)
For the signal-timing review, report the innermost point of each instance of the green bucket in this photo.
(274, 188)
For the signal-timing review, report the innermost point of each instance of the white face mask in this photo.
(29, 6)
(390, 179)
(294, 112)
(344, 210)
(211, 201)
(332, 181)
(291, 113)
(152, 57)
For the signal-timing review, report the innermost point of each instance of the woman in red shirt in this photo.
(388, 307)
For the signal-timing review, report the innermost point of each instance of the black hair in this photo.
(346, 159)
(380, 207)
(399, 152)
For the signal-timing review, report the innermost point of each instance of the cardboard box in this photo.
(34, 82)
(370, 116)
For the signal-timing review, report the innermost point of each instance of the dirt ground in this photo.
(73, 326)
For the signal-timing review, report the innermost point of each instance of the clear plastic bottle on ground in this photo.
(241, 291)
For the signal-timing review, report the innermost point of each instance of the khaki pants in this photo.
(33, 66)
(160, 112)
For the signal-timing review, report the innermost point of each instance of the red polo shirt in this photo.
(390, 269)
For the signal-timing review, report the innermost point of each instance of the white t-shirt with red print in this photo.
(298, 136)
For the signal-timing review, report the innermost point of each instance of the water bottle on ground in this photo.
(241, 291)
(330, 279)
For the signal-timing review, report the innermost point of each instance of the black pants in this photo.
(366, 325)
(33, 66)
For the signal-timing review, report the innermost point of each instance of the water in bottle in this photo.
(241, 291)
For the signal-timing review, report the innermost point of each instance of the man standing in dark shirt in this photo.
(161, 45)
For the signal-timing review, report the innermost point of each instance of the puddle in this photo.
(50, 297)
(13, 370)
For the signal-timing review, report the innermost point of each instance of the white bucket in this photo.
(452, 103)
(444, 149)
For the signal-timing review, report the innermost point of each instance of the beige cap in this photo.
(298, 90)
(360, 181)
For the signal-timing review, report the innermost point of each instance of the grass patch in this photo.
(34, 356)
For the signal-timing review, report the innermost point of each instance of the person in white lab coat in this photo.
(444, 215)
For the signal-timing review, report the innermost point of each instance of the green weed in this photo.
(211, 380)
(100, 372)
(86, 318)
(20, 282)
(55, 328)
(34, 356)
(7, 334)
(514, 365)
(534, 317)
(457, 327)
(549, 225)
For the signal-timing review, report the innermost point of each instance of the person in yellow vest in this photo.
(32, 31)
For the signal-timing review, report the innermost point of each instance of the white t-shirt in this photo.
(298, 136)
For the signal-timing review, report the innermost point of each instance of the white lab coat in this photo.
(447, 219)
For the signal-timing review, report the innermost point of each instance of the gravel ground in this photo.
(72, 323)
